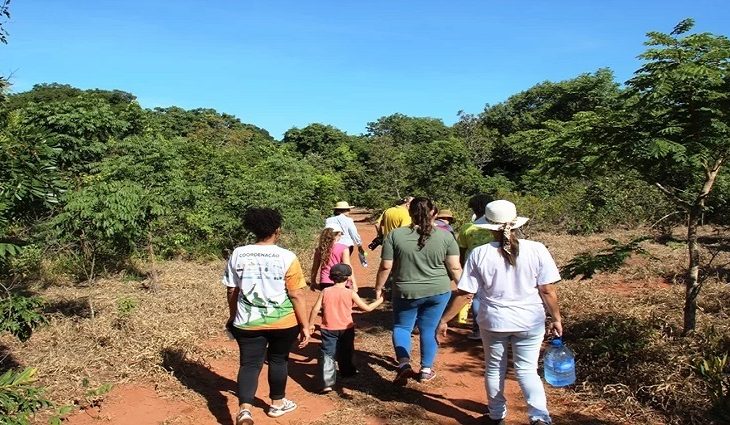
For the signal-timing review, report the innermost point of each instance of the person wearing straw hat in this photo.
(515, 280)
(341, 218)
(443, 221)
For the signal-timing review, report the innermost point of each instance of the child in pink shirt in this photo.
(328, 253)
(337, 328)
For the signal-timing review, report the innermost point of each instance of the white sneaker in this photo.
(285, 407)
(244, 417)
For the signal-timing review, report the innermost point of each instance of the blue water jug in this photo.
(559, 364)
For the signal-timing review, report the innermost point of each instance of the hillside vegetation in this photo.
(92, 184)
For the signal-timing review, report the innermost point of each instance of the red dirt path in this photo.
(456, 396)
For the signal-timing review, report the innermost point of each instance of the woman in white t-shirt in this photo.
(514, 279)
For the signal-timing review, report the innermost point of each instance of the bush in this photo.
(19, 398)
(19, 315)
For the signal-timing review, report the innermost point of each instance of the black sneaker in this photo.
(404, 372)
(539, 422)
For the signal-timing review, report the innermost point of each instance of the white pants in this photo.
(525, 353)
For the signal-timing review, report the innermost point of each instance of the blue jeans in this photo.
(525, 352)
(337, 346)
(426, 313)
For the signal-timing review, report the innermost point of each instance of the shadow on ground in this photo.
(201, 379)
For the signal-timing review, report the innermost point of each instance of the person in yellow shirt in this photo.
(394, 217)
(470, 237)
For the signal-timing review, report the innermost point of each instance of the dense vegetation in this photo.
(90, 181)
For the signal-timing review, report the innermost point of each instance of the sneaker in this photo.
(244, 417)
(474, 335)
(538, 422)
(326, 390)
(285, 407)
(426, 376)
(404, 372)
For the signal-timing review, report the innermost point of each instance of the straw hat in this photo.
(343, 205)
(499, 213)
(445, 214)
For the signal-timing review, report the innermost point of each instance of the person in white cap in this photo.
(515, 281)
(341, 217)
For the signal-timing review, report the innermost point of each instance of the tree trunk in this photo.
(693, 284)
(153, 263)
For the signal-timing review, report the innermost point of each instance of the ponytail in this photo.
(421, 219)
(509, 246)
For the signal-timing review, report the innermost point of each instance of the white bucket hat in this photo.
(343, 205)
(499, 215)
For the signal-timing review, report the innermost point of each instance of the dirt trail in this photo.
(456, 396)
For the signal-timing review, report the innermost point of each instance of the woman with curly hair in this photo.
(329, 251)
(423, 260)
(267, 310)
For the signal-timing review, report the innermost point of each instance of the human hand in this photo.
(556, 329)
(304, 336)
(379, 293)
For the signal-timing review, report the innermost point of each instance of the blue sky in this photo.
(280, 64)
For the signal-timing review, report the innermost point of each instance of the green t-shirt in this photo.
(471, 236)
(419, 273)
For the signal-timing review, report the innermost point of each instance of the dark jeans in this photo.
(254, 346)
(336, 346)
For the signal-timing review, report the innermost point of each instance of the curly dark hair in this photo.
(422, 220)
(262, 222)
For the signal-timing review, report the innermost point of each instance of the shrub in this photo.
(19, 398)
(19, 315)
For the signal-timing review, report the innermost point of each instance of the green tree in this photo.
(683, 123)
(673, 129)
(409, 130)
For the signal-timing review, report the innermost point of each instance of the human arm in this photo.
(362, 305)
(549, 295)
(468, 284)
(232, 298)
(346, 260)
(354, 235)
(387, 256)
(458, 300)
(315, 269)
(315, 311)
(299, 301)
(383, 272)
(295, 283)
(453, 267)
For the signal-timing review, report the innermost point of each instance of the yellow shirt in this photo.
(471, 236)
(394, 218)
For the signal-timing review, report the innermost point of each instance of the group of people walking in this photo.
(508, 279)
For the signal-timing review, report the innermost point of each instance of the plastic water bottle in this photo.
(559, 364)
(363, 261)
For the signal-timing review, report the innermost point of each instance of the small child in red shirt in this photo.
(338, 328)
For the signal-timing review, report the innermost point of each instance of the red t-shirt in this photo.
(337, 308)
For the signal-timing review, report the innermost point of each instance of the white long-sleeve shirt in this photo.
(350, 236)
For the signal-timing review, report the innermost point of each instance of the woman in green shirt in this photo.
(423, 261)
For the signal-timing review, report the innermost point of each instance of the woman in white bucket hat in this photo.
(515, 279)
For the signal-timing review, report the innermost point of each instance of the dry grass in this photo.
(624, 327)
(116, 331)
